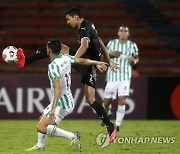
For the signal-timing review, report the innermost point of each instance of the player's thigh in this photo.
(123, 88)
(60, 113)
(89, 94)
(89, 75)
(110, 90)
(44, 120)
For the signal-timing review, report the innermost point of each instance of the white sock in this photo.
(108, 109)
(54, 131)
(120, 114)
(41, 140)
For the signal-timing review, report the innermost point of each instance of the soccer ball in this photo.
(9, 54)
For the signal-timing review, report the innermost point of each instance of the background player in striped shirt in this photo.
(59, 73)
(125, 53)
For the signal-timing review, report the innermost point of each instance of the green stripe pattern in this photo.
(66, 101)
(60, 67)
(125, 69)
(54, 130)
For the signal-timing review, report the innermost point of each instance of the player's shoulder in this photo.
(52, 65)
(67, 56)
(131, 42)
(56, 60)
(86, 23)
(113, 41)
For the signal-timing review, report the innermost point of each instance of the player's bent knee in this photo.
(41, 129)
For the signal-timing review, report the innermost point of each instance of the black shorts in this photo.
(88, 74)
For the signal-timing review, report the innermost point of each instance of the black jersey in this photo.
(87, 29)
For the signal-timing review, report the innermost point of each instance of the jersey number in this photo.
(67, 79)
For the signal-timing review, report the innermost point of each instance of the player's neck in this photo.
(122, 41)
(80, 21)
(52, 56)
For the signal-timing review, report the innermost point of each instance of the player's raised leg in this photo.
(24, 60)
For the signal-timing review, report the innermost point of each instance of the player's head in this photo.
(73, 16)
(123, 32)
(74, 12)
(54, 46)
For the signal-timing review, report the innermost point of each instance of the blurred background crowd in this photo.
(154, 26)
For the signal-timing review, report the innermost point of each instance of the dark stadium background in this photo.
(154, 26)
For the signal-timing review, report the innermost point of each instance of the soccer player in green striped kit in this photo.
(124, 53)
(59, 73)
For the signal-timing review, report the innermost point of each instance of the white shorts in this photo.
(60, 113)
(113, 88)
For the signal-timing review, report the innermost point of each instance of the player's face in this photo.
(123, 33)
(71, 21)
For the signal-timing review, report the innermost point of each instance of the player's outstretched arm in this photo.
(111, 63)
(133, 60)
(57, 94)
(101, 66)
(104, 52)
(114, 54)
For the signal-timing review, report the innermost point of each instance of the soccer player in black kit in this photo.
(91, 47)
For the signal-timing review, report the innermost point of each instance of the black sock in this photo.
(40, 54)
(101, 113)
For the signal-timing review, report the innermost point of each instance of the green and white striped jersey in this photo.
(60, 67)
(125, 69)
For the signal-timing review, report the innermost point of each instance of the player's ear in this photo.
(48, 50)
(76, 17)
(118, 33)
(128, 31)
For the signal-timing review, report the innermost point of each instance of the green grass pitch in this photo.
(17, 135)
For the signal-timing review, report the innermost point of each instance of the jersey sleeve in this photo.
(135, 53)
(72, 59)
(84, 31)
(108, 47)
(54, 71)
